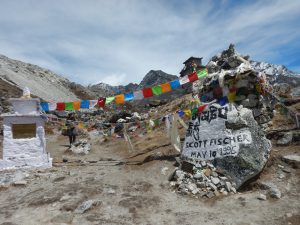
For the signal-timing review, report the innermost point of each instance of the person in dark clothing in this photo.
(72, 131)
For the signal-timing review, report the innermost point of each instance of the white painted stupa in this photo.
(24, 143)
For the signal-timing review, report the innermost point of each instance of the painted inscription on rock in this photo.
(208, 138)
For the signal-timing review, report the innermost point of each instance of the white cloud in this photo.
(86, 40)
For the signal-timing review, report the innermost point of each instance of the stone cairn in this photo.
(202, 181)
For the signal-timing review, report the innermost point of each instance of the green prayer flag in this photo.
(110, 99)
(194, 111)
(202, 73)
(69, 106)
(156, 90)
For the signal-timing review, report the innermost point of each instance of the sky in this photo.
(119, 41)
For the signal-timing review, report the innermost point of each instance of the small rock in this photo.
(228, 186)
(262, 197)
(224, 193)
(20, 183)
(195, 191)
(292, 159)
(213, 186)
(289, 215)
(207, 172)
(275, 193)
(172, 183)
(198, 176)
(216, 193)
(201, 185)
(84, 206)
(233, 190)
(215, 180)
(203, 163)
(214, 174)
(65, 160)
(287, 170)
(164, 170)
(223, 178)
(192, 187)
(286, 139)
(281, 176)
(210, 165)
(280, 166)
(210, 194)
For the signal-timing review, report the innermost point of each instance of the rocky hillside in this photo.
(153, 77)
(279, 74)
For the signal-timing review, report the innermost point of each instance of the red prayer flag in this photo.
(193, 77)
(147, 92)
(60, 106)
(201, 108)
(101, 102)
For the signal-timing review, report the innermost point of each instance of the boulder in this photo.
(231, 140)
(251, 157)
(286, 139)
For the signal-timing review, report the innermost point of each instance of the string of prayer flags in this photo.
(101, 102)
(120, 99)
(202, 73)
(193, 77)
(175, 84)
(76, 105)
(194, 111)
(129, 97)
(166, 87)
(110, 99)
(156, 90)
(69, 106)
(147, 92)
(60, 106)
(138, 95)
(84, 104)
(45, 106)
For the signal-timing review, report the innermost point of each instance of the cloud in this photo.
(120, 41)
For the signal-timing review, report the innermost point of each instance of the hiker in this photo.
(72, 130)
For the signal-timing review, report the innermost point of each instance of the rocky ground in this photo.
(116, 184)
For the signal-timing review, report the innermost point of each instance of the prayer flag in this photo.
(202, 73)
(194, 111)
(193, 77)
(120, 99)
(138, 95)
(175, 84)
(225, 91)
(93, 103)
(129, 96)
(180, 113)
(166, 87)
(69, 106)
(184, 80)
(147, 92)
(76, 105)
(101, 102)
(203, 98)
(84, 104)
(45, 106)
(157, 90)
(60, 106)
(222, 101)
(110, 99)
(217, 92)
(187, 112)
(201, 108)
(52, 106)
(231, 96)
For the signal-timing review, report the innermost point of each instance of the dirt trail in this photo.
(138, 194)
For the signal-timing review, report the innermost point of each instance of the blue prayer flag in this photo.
(129, 96)
(175, 84)
(45, 106)
(222, 101)
(85, 104)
